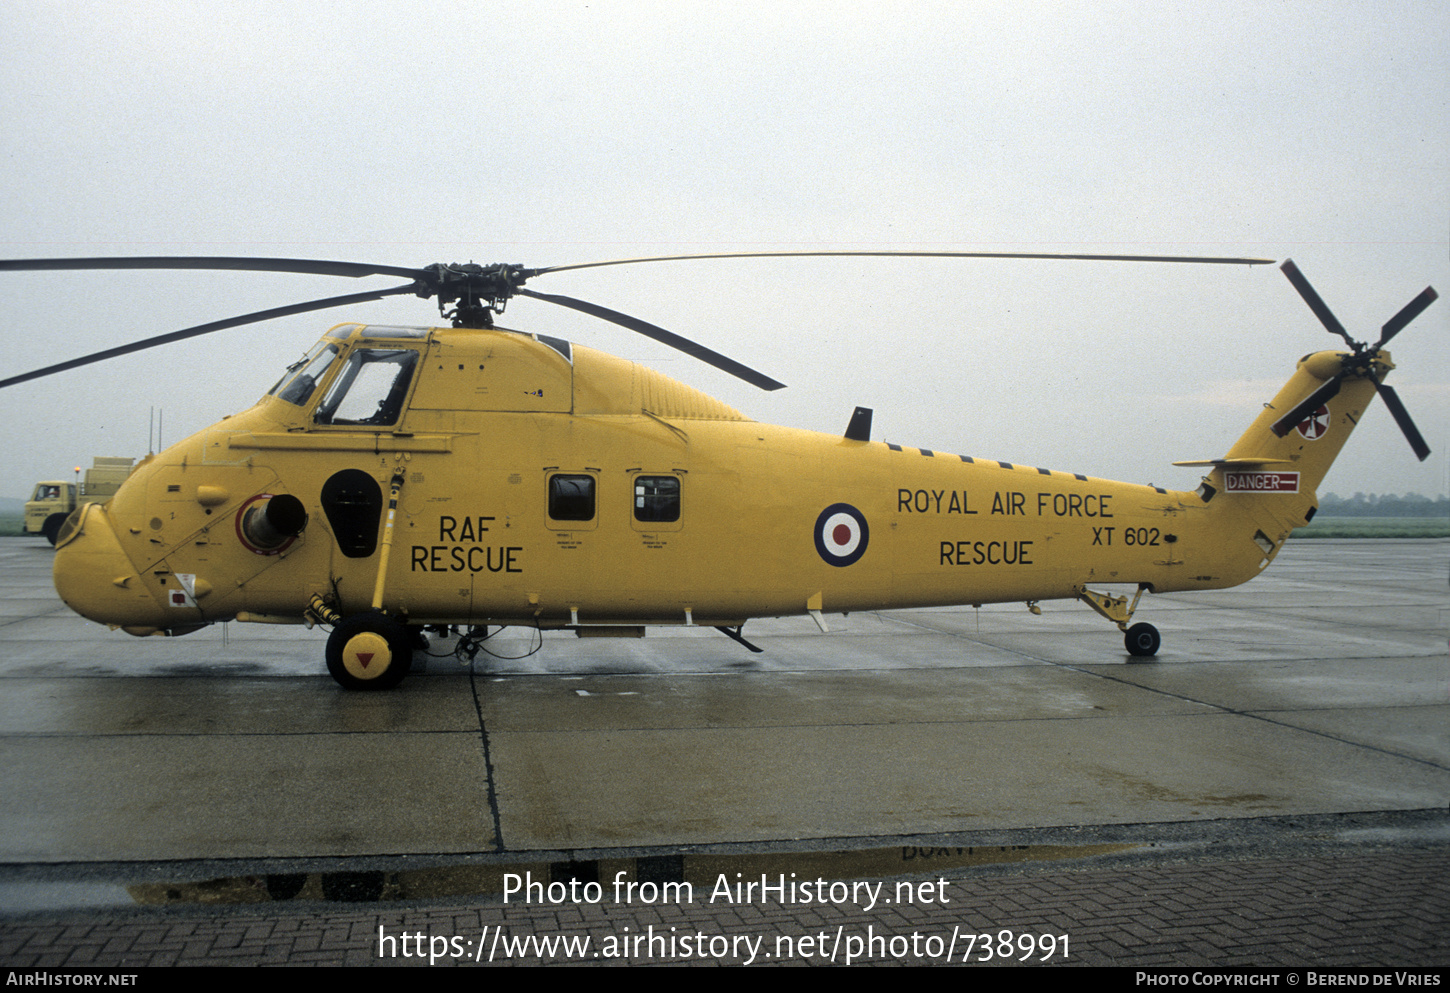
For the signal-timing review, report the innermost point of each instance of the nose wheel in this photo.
(370, 651)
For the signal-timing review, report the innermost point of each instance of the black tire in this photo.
(1142, 640)
(386, 643)
(51, 527)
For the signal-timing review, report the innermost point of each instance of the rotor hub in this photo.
(470, 294)
(1363, 361)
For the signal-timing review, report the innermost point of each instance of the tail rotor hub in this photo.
(1364, 361)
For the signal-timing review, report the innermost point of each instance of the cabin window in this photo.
(571, 498)
(370, 389)
(657, 499)
(300, 381)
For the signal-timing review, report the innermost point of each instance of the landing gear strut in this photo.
(1141, 640)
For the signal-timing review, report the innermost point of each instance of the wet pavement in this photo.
(1305, 713)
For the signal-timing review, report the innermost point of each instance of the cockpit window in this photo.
(370, 389)
(301, 379)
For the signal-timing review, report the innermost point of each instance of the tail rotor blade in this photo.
(1402, 418)
(1407, 314)
(1306, 407)
(1321, 310)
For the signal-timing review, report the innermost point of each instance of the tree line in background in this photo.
(1383, 505)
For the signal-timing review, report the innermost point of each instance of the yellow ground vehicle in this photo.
(53, 500)
(470, 477)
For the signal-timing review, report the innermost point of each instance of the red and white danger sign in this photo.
(1262, 482)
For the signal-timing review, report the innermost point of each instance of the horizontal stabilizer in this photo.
(1234, 463)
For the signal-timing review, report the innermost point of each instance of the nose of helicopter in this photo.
(96, 579)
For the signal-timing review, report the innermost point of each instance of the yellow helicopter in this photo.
(463, 478)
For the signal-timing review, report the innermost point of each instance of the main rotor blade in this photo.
(1407, 314)
(200, 329)
(1307, 406)
(1402, 418)
(661, 335)
(1321, 310)
(314, 266)
(918, 255)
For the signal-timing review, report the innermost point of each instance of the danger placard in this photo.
(1262, 482)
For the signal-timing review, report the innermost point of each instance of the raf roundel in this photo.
(841, 534)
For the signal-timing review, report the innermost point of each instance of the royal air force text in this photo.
(1010, 503)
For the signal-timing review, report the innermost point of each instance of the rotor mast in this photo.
(470, 294)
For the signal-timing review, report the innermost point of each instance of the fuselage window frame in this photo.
(300, 382)
(573, 499)
(656, 499)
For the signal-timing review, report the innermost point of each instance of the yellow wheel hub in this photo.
(366, 655)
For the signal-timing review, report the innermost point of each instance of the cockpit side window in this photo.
(301, 380)
(370, 389)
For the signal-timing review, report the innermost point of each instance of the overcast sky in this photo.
(558, 132)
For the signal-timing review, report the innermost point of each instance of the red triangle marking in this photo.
(364, 658)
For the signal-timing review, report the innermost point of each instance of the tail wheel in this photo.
(1142, 639)
(369, 651)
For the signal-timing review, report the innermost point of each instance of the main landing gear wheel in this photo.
(1142, 639)
(369, 651)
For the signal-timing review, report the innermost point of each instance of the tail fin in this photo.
(1266, 484)
(1273, 479)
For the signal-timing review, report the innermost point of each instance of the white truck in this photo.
(56, 499)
